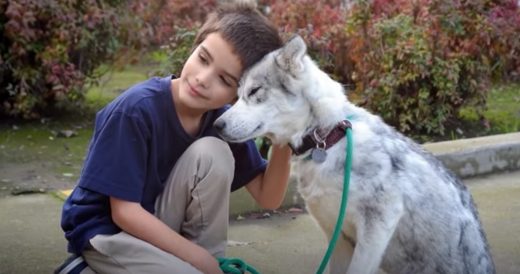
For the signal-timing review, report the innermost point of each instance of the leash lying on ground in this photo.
(235, 266)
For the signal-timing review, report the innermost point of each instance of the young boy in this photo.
(153, 196)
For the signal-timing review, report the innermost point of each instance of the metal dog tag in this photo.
(319, 155)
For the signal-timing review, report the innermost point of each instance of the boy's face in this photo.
(209, 78)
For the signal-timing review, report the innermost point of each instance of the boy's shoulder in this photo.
(155, 86)
(142, 95)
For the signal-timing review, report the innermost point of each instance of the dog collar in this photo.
(317, 138)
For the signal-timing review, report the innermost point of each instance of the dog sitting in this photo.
(406, 214)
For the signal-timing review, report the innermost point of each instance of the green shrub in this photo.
(176, 52)
(320, 24)
(158, 21)
(49, 49)
(504, 39)
(418, 62)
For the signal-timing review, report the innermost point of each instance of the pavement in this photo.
(31, 240)
(293, 243)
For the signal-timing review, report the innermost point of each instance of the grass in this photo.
(502, 114)
(113, 83)
(26, 143)
(31, 143)
(504, 108)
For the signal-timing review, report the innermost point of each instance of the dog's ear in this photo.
(290, 56)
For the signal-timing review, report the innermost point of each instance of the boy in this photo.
(153, 196)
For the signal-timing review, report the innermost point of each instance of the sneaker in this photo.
(72, 265)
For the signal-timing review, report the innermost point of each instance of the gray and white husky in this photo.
(406, 213)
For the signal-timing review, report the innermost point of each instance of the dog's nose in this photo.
(219, 125)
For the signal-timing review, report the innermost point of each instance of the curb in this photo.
(62, 194)
(479, 156)
(465, 157)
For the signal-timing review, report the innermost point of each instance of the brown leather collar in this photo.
(316, 139)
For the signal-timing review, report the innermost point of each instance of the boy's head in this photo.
(249, 32)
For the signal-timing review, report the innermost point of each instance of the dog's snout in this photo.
(219, 125)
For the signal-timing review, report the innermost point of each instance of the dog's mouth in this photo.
(239, 138)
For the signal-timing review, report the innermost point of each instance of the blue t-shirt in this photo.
(137, 140)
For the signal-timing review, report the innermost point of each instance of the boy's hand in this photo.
(205, 262)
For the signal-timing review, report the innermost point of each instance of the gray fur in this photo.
(406, 214)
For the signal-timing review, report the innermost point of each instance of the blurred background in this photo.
(434, 69)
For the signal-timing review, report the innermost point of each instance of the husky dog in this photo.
(406, 213)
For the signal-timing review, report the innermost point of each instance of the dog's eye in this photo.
(253, 91)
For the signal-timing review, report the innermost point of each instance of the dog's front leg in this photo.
(341, 255)
(324, 211)
(374, 231)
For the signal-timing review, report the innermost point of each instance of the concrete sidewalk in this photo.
(292, 243)
(32, 242)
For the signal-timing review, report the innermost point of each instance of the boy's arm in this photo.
(135, 220)
(268, 188)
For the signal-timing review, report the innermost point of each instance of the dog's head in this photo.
(271, 100)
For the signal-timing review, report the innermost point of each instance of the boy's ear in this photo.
(290, 56)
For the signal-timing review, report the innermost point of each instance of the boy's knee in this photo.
(215, 152)
(212, 147)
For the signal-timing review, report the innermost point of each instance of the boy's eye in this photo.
(226, 81)
(203, 59)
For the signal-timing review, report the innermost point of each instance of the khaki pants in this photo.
(195, 203)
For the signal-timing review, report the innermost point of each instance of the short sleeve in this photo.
(117, 157)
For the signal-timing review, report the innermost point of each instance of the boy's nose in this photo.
(200, 81)
(203, 78)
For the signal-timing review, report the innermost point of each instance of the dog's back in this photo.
(439, 231)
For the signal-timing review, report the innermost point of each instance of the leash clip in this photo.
(320, 142)
(319, 154)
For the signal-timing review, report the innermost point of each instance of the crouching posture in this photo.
(153, 196)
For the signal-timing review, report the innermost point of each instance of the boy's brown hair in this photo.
(250, 33)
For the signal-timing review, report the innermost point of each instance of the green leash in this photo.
(343, 207)
(237, 266)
